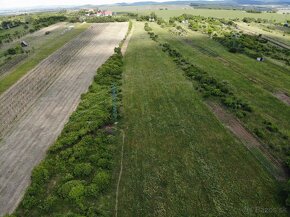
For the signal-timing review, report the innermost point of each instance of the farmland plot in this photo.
(254, 82)
(42, 101)
(40, 47)
(35, 41)
(179, 160)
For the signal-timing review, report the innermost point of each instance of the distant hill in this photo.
(221, 2)
(259, 2)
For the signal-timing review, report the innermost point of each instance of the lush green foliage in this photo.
(34, 23)
(254, 46)
(107, 19)
(74, 178)
(227, 33)
(149, 31)
(208, 85)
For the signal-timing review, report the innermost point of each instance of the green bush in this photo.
(102, 179)
(82, 169)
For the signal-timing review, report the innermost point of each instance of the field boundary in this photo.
(274, 166)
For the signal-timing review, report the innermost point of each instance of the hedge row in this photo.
(152, 35)
(209, 86)
(76, 175)
(106, 19)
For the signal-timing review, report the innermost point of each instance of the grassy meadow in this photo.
(166, 14)
(251, 81)
(179, 160)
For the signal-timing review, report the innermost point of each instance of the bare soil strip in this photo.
(249, 140)
(283, 97)
(42, 102)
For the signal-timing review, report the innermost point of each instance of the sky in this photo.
(4, 4)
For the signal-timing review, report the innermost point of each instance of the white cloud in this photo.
(4, 4)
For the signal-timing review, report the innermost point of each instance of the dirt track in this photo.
(250, 141)
(42, 102)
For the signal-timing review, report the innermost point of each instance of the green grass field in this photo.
(42, 51)
(252, 81)
(166, 14)
(178, 158)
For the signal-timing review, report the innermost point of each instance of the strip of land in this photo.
(43, 46)
(25, 144)
(251, 81)
(273, 165)
(179, 160)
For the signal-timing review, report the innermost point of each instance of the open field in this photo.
(144, 117)
(252, 81)
(43, 47)
(166, 14)
(51, 92)
(179, 160)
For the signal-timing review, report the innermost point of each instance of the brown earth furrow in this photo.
(16, 102)
(60, 90)
(249, 140)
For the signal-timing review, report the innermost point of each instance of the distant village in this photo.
(98, 13)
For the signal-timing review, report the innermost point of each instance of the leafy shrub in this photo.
(40, 174)
(82, 169)
(72, 190)
(102, 179)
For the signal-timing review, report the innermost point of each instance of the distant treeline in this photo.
(29, 25)
(10, 27)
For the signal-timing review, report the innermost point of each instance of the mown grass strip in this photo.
(76, 175)
(39, 55)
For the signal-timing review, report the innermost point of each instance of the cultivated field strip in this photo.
(24, 146)
(18, 98)
(7, 67)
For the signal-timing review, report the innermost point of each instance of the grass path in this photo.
(179, 160)
(120, 174)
